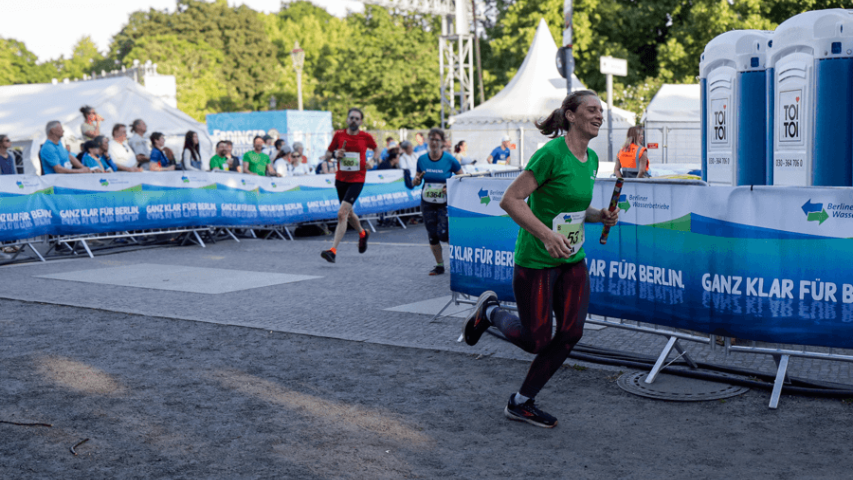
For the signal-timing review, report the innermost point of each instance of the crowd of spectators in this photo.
(269, 156)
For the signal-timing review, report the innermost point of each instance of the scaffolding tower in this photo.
(455, 49)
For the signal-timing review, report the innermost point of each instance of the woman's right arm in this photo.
(514, 204)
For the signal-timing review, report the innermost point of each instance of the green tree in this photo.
(387, 65)
(320, 34)
(198, 71)
(85, 60)
(249, 65)
(18, 65)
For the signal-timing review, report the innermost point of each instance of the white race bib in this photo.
(570, 225)
(434, 193)
(351, 162)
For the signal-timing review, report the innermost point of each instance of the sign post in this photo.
(568, 59)
(612, 66)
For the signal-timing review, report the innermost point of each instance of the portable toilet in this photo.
(732, 76)
(810, 100)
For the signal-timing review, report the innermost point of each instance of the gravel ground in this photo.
(166, 398)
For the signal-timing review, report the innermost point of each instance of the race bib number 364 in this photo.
(570, 225)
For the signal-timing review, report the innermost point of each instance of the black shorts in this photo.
(435, 221)
(348, 192)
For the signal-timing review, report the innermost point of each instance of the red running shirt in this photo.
(361, 142)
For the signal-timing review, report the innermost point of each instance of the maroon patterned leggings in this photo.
(563, 289)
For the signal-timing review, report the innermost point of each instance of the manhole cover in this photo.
(678, 389)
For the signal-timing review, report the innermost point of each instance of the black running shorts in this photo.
(435, 221)
(348, 192)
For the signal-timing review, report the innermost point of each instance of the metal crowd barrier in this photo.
(71, 243)
(18, 247)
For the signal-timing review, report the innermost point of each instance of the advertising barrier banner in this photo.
(79, 204)
(764, 263)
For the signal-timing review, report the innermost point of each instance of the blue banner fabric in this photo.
(765, 263)
(82, 204)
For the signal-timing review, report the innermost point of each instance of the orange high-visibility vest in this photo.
(630, 158)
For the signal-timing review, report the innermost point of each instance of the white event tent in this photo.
(533, 93)
(25, 110)
(673, 124)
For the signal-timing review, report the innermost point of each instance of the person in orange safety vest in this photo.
(631, 155)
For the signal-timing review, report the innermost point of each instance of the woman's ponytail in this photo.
(556, 123)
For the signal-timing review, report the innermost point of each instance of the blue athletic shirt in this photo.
(499, 155)
(92, 162)
(435, 177)
(440, 170)
(54, 154)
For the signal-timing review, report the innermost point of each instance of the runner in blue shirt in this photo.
(434, 168)
(500, 154)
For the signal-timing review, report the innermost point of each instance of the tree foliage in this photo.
(18, 65)
(248, 61)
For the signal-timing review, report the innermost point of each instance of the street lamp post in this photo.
(298, 57)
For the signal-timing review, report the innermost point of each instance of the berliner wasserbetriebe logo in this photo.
(104, 182)
(484, 196)
(623, 203)
(815, 212)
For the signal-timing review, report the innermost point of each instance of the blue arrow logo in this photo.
(623, 197)
(810, 207)
(483, 193)
(567, 218)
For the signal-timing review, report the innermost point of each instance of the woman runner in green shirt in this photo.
(549, 273)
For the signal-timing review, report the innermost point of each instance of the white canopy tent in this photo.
(25, 110)
(533, 93)
(673, 123)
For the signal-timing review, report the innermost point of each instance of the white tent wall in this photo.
(26, 109)
(672, 121)
(533, 93)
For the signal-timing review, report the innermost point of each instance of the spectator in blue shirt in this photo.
(7, 159)
(159, 160)
(106, 159)
(389, 144)
(54, 157)
(420, 147)
(92, 157)
(500, 154)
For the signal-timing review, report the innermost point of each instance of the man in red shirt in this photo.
(349, 147)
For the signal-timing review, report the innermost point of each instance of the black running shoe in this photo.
(362, 242)
(438, 270)
(478, 322)
(527, 412)
(328, 255)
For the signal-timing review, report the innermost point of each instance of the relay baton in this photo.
(617, 190)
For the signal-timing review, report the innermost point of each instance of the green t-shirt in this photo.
(256, 162)
(565, 186)
(218, 162)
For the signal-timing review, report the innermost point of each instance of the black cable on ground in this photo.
(798, 386)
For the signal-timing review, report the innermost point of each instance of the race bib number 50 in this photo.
(351, 162)
(570, 225)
